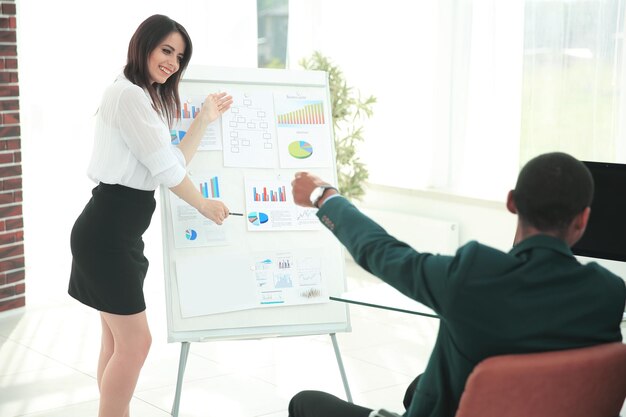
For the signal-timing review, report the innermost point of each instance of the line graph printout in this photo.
(260, 279)
(191, 106)
(249, 135)
(270, 207)
(303, 131)
(289, 278)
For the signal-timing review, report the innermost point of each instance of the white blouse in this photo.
(132, 142)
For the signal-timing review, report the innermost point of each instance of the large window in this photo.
(272, 17)
(572, 78)
(470, 90)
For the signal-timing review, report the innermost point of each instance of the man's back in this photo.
(535, 298)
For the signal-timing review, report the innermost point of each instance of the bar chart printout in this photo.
(190, 108)
(263, 194)
(211, 188)
(303, 131)
(270, 207)
(308, 113)
(191, 229)
(289, 277)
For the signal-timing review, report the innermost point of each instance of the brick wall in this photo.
(12, 276)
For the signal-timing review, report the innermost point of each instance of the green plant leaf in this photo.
(348, 111)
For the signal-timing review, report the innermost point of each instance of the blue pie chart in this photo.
(257, 218)
(191, 234)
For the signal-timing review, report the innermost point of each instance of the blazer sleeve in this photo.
(421, 276)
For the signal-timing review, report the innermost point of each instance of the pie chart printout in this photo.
(191, 234)
(300, 149)
(257, 218)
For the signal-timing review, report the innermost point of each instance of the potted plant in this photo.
(348, 113)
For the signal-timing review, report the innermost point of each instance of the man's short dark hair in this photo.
(551, 190)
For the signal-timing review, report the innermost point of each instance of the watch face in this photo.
(316, 194)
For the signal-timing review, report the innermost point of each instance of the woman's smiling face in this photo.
(165, 59)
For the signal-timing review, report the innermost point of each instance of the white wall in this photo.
(69, 51)
(486, 221)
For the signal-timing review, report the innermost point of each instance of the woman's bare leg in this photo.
(131, 343)
(106, 349)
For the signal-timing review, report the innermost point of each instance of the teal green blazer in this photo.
(537, 297)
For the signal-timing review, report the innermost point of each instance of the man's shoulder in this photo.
(610, 277)
(476, 248)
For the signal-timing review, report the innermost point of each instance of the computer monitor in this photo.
(605, 236)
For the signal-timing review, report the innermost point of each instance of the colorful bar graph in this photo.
(187, 113)
(210, 189)
(309, 114)
(279, 195)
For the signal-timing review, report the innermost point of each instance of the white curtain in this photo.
(573, 74)
(484, 85)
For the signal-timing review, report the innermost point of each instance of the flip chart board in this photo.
(270, 271)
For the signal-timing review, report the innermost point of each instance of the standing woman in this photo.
(132, 156)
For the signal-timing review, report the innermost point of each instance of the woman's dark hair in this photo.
(551, 190)
(147, 37)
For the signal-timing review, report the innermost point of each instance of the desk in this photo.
(385, 296)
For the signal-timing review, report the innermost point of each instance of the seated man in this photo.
(537, 297)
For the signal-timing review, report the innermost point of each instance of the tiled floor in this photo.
(48, 358)
(48, 354)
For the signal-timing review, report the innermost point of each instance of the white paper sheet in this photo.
(270, 207)
(249, 133)
(212, 139)
(303, 131)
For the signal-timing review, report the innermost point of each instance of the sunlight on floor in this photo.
(48, 355)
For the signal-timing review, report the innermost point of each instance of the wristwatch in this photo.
(318, 193)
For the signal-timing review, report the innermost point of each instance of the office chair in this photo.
(585, 382)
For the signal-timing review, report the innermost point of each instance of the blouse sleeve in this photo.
(147, 137)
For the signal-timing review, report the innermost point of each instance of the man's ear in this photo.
(578, 226)
(582, 219)
(510, 203)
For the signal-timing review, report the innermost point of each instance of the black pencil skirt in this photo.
(108, 264)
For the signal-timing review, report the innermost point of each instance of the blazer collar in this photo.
(542, 241)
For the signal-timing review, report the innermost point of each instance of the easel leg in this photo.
(184, 353)
(341, 369)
